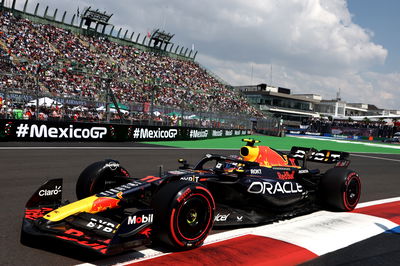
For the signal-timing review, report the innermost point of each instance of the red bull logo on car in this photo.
(104, 203)
(265, 156)
(92, 204)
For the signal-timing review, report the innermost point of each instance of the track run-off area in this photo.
(370, 235)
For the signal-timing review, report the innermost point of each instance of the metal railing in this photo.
(135, 113)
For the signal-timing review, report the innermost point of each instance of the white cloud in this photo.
(318, 38)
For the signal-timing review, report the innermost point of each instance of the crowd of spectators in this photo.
(60, 63)
(365, 127)
(16, 110)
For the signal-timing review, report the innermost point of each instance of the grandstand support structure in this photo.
(110, 94)
(37, 92)
(156, 84)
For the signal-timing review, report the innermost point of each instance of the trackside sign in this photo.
(71, 132)
(33, 130)
(146, 133)
(198, 134)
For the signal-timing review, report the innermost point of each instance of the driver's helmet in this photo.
(230, 166)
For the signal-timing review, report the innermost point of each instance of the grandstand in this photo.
(70, 63)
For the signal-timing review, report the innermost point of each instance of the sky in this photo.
(309, 46)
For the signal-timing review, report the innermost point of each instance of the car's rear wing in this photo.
(322, 156)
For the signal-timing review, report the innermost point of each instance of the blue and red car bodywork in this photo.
(260, 186)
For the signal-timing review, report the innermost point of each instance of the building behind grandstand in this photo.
(297, 108)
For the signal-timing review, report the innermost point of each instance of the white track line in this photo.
(353, 142)
(377, 202)
(323, 232)
(374, 157)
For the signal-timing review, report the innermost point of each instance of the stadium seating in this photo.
(70, 65)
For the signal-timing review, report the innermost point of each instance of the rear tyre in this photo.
(340, 189)
(183, 214)
(100, 176)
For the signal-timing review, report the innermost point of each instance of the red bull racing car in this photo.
(116, 212)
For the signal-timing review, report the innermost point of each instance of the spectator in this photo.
(55, 61)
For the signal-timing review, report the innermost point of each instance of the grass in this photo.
(285, 143)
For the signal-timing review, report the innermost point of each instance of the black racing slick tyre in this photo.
(183, 215)
(100, 176)
(340, 189)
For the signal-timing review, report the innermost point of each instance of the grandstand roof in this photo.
(282, 95)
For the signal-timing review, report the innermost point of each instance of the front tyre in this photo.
(340, 189)
(100, 176)
(184, 214)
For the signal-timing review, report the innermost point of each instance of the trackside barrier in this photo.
(27, 130)
(334, 136)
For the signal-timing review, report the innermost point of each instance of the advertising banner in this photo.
(31, 130)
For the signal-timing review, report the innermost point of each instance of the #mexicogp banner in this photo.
(29, 130)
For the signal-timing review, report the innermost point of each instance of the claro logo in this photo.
(50, 192)
(43, 131)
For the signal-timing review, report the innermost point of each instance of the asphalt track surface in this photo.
(25, 166)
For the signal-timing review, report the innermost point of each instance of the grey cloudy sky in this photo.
(313, 46)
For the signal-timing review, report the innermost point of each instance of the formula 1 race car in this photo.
(116, 212)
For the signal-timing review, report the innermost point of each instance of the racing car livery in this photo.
(115, 212)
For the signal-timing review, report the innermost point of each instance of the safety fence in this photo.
(83, 109)
(31, 130)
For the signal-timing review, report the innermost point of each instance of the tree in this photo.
(366, 121)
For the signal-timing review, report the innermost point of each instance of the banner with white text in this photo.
(32, 130)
